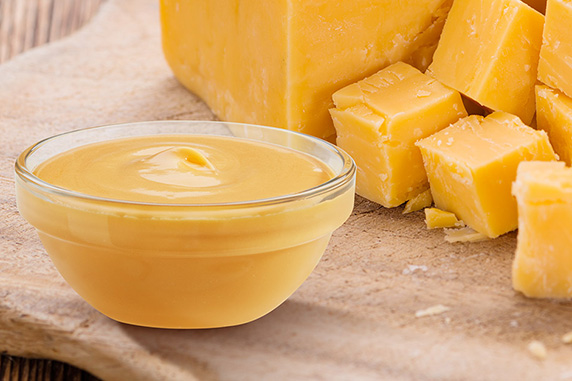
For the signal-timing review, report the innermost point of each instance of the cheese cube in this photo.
(542, 266)
(378, 120)
(555, 66)
(472, 164)
(278, 63)
(489, 51)
(554, 115)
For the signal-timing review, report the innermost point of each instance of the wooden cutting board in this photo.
(354, 318)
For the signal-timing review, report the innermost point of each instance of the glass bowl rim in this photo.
(345, 175)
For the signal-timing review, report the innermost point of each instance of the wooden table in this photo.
(357, 315)
(25, 24)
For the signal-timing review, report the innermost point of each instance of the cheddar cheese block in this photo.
(472, 164)
(554, 115)
(378, 120)
(489, 51)
(542, 266)
(278, 63)
(555, 66)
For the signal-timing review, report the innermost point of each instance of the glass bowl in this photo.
(185, 265)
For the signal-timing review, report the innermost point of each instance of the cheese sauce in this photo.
(184, 169)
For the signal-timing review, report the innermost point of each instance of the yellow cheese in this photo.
(464, 234)
(555, 65)
(554, 115)
(472, 164)
(542, 266)
(278, 63)
(422, 200)
(378, 120)
(437, 218)
(489, 51)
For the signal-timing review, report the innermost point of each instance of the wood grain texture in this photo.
(25, 24)
(23, 369)
(354, 318)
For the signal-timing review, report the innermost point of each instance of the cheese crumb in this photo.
(567, 338)
(465, 234)
(423, 93)
(412, 268)
(431, 311)
(537, 349)
(422, 200)
(437, 218)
